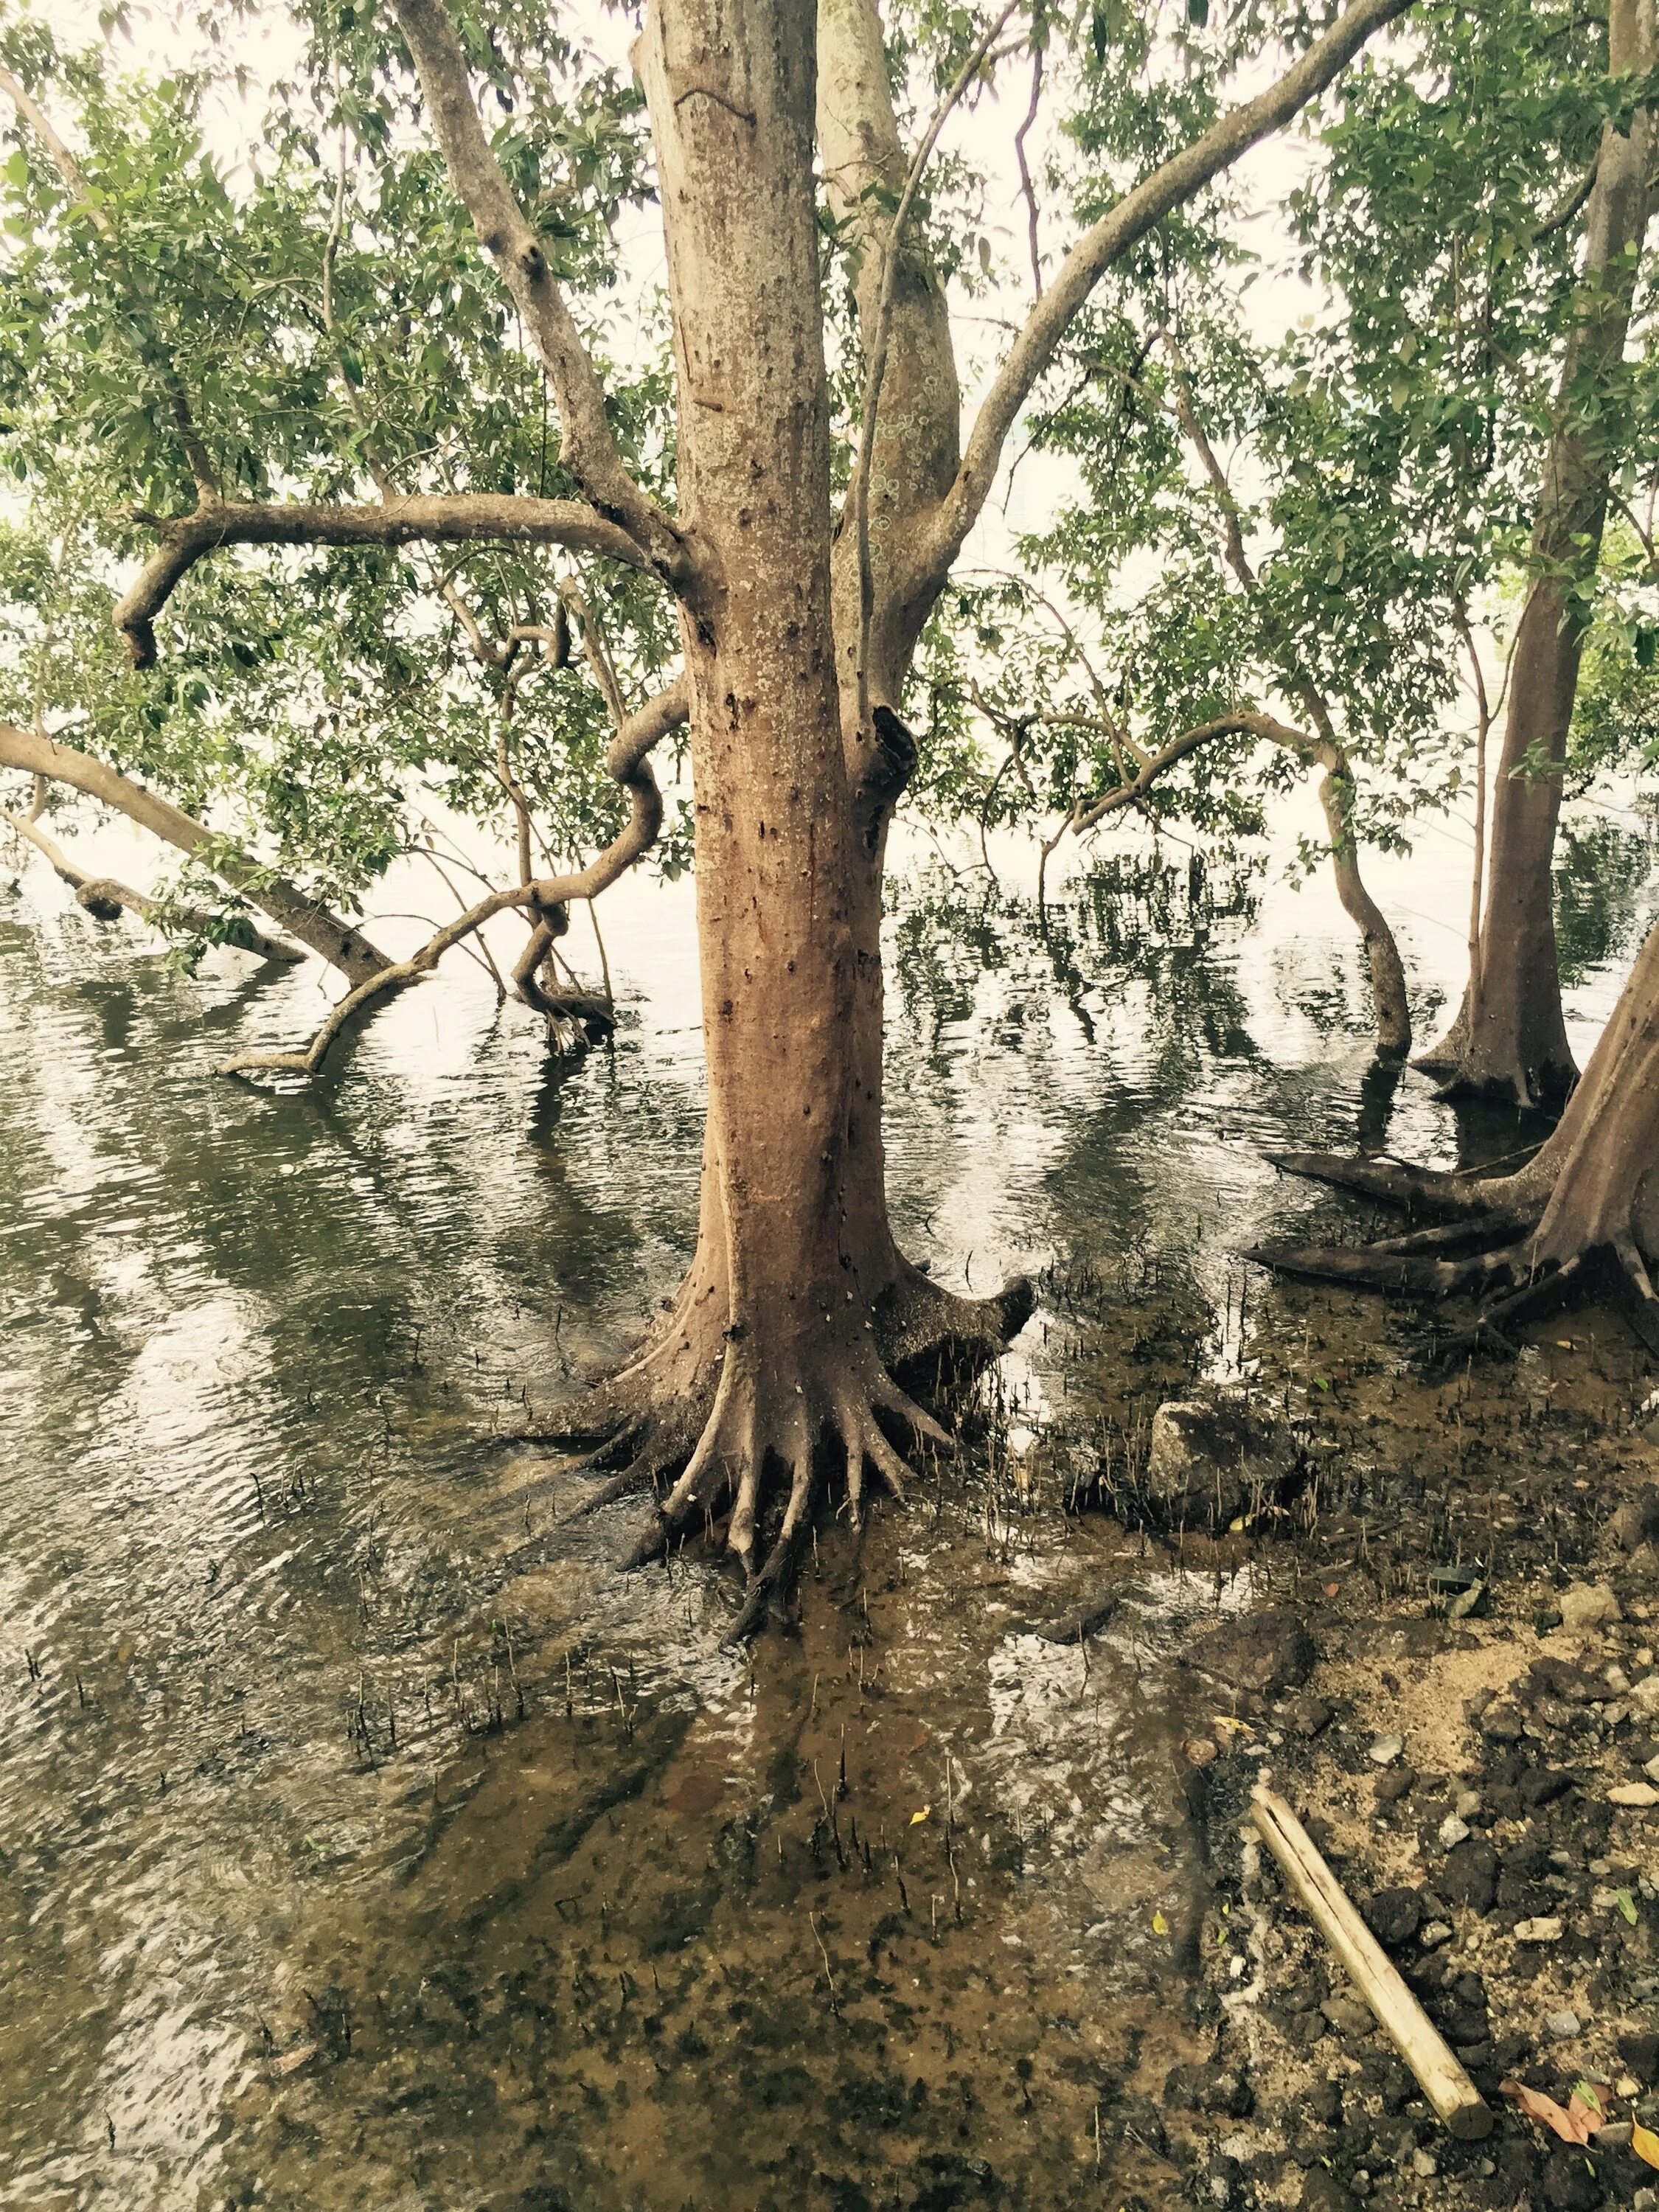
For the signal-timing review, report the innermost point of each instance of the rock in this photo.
(1637, 1523)
(1641, 1795)
(1452, 1832)
(1348, 2016)
(1569, 2184)
(1257, 1652)
(1424, 2165)
(1544, 1786)
(1615, 2136)
(1546, 1928)
(1589, 1605)
(1640, 2053)
(1436, 1933)
(1467, 1805)
(1570, 1684)
(1386, 1749)
(1502, 1721)
(1469, 1875)
(1199, 1751)
(1322, 2193)
(1310, 1717)
(1561, 2026)
(1393, 1915)
(1396, 1784)
(1213, 1457)
(1210, 2089)
(1645, 1697)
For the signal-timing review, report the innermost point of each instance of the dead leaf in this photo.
(292, 2060)
(1644, 2143)
(1573, 2125)
(1160, 1926)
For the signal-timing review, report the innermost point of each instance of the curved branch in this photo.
(105, 899)
(1169, 185)
(1154, 765)
(317, 928)
(627, 762)
(587, 447)
(451, 518)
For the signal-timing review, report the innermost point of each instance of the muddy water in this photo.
(365, 1840)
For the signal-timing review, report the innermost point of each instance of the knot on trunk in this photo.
(888, 771)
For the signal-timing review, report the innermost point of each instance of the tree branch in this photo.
(587, 449)
(105, 899)
(306, 919)
(627, 762)
(1173, 182)
(452, 519)
(876, 368)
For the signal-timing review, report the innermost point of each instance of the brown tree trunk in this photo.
(1510, 1041)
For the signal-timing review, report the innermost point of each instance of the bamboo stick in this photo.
(1399, 2014)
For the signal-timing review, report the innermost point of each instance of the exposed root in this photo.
(754, 1432)
(1542, 1292)
(1434, 1189)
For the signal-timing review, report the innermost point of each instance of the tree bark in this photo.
(1510, 1040)
(304, 919)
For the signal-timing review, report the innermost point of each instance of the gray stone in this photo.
(1637, 1523)
(1213, 1457)
(1561, 2026)
(1386, 1750)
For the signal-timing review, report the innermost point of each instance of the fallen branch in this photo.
(1397, 2012)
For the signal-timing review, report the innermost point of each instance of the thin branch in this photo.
(1026, 186)
(587, 448)
(627, 764)
(1170, 184)
(1564, 213)
(880, 338)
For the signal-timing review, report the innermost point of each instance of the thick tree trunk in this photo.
(1510, 1040)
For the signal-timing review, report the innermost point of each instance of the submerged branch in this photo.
(315, 925)
(107, 900)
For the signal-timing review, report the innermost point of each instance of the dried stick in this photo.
(1402, 2020)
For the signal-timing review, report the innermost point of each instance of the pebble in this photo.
(1425, 2164)
(1199, 1751)
(1615, 2136)
(1561, 2026)
(1452, 1831)
(1644, 1696)
(1545, 1929)
(1436, 1933)
(1652, 1767)
(1641, 1795)
(1468, 1804)
(1386, 1749)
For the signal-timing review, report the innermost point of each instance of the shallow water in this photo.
(361, 1843)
